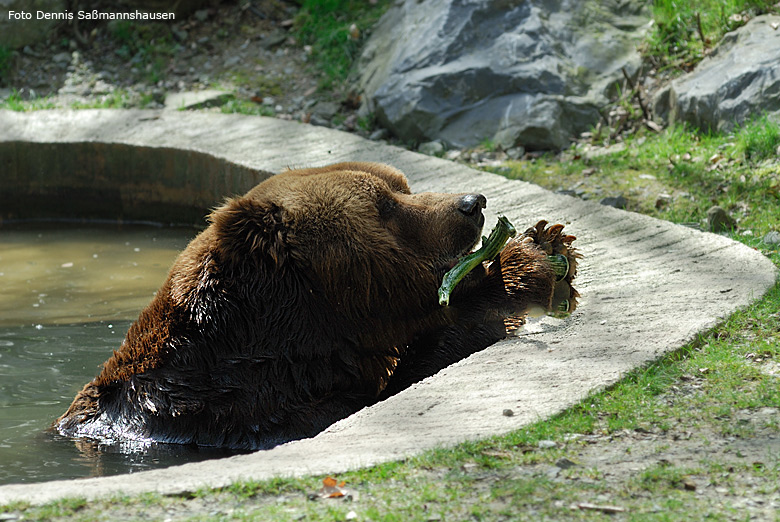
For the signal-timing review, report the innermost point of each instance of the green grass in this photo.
(325, 24)
(119, 99)
(249, 108)
(16, 103)
(677, 175)
(759, 140)
(676, 39)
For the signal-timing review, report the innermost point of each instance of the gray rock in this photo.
(61, 58)
(616, 202)
(102, 87)
(739, 80)
(519, 73)
(17, 32)
(379, 134)
(718, 220)
(565, 463)
(431, 148)
(515, 152)
(179, 33)
(325, 109)
(453, 154)
(273, 40)
(232, 61)
(772, 238)
(196, 99)
(319, 121)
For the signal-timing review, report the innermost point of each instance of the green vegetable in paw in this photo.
(560, 265)
(491, 246)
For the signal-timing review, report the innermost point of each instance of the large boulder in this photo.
(18, 31)
(532, 73)
(739, 80)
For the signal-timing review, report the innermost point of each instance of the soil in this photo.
(249, 52)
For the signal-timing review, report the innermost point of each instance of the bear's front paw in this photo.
(562, 256)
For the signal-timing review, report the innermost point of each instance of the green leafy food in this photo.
(491, 246)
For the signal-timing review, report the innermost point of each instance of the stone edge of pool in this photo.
(648, 286)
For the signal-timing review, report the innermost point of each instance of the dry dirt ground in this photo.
(250, 52)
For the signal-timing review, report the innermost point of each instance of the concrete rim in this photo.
(648, 288)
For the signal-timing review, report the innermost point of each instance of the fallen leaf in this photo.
(354, 32)
(331, 488)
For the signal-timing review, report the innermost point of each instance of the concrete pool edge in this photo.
(648, 287)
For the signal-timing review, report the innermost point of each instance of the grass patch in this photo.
(325, 25)
(118, 99)
(249, 108)
(684, 31)
(15, 102)
(677, 175)
(759, 141)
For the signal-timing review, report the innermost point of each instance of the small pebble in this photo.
(565, 463)
(718, 220)
(772, 237)
(616, 202)
(431, 148)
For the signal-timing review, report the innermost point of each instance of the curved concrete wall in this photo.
(94, 180)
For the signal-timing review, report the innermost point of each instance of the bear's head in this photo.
(377, 251)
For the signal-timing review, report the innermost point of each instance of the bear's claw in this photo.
(558, 246)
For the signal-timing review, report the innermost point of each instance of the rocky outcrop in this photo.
(18, 31)
(532, 73)
(739, 80)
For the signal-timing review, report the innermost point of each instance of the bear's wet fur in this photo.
(306, 299)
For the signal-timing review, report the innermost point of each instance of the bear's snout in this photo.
(471, 205)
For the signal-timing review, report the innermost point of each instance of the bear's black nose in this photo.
(472, 204)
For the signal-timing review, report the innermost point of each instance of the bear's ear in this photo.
(247, 229)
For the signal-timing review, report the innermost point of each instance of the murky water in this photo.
(67, 296)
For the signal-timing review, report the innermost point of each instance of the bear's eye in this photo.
(386, 207)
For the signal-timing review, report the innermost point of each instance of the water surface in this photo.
(67, 296)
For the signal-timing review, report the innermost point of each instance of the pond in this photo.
(68, 293)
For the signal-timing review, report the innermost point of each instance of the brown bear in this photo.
(308, 298)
